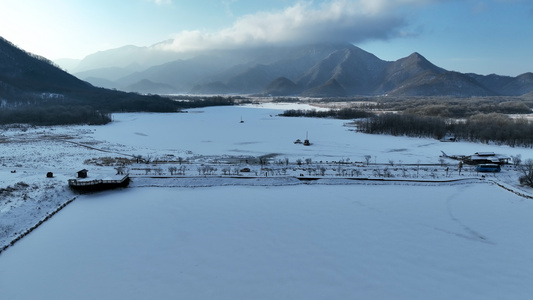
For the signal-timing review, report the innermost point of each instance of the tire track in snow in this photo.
(469, 233)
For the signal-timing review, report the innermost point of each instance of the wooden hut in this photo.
(82, 173)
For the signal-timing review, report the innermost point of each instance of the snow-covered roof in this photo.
(485, 154)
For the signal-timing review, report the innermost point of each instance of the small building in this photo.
(486, 158)
(82, 173)
(448, 138)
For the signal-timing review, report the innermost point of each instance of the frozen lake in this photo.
(215, 131)
(298, 242)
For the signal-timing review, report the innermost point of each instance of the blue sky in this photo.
(480, 36)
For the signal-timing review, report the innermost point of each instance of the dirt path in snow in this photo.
(97, 149)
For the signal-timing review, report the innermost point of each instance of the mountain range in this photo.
(318, 70)
(27, 80)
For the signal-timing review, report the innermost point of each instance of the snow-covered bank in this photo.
(27, 200)
(283, 242)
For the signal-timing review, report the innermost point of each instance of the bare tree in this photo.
(527, 172)
(148, 159)
(367, 159)
(355, 172)
(322, 171)
(172, 170)
(236, 171)
(517, 159)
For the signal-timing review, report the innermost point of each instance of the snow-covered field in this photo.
(271, 236)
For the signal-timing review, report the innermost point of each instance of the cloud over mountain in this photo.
(305, 23)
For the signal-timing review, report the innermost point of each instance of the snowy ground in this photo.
(208, 232)
(288, 242)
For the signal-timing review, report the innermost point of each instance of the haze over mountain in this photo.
(317, 70)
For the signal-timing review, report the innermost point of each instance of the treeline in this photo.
(116, 101)
(446, 107)
(456, 107)
(53, 115)
(484, 128)
(344, 113)
(286, 100)
(404, 124)
(95, 107)
(189, 101)
(462, 110)
(81, 108)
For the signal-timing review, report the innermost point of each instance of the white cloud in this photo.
(335, 20)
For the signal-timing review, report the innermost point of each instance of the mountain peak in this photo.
(417, 57)
(317, 69)
(417, 63)
(281, 86)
